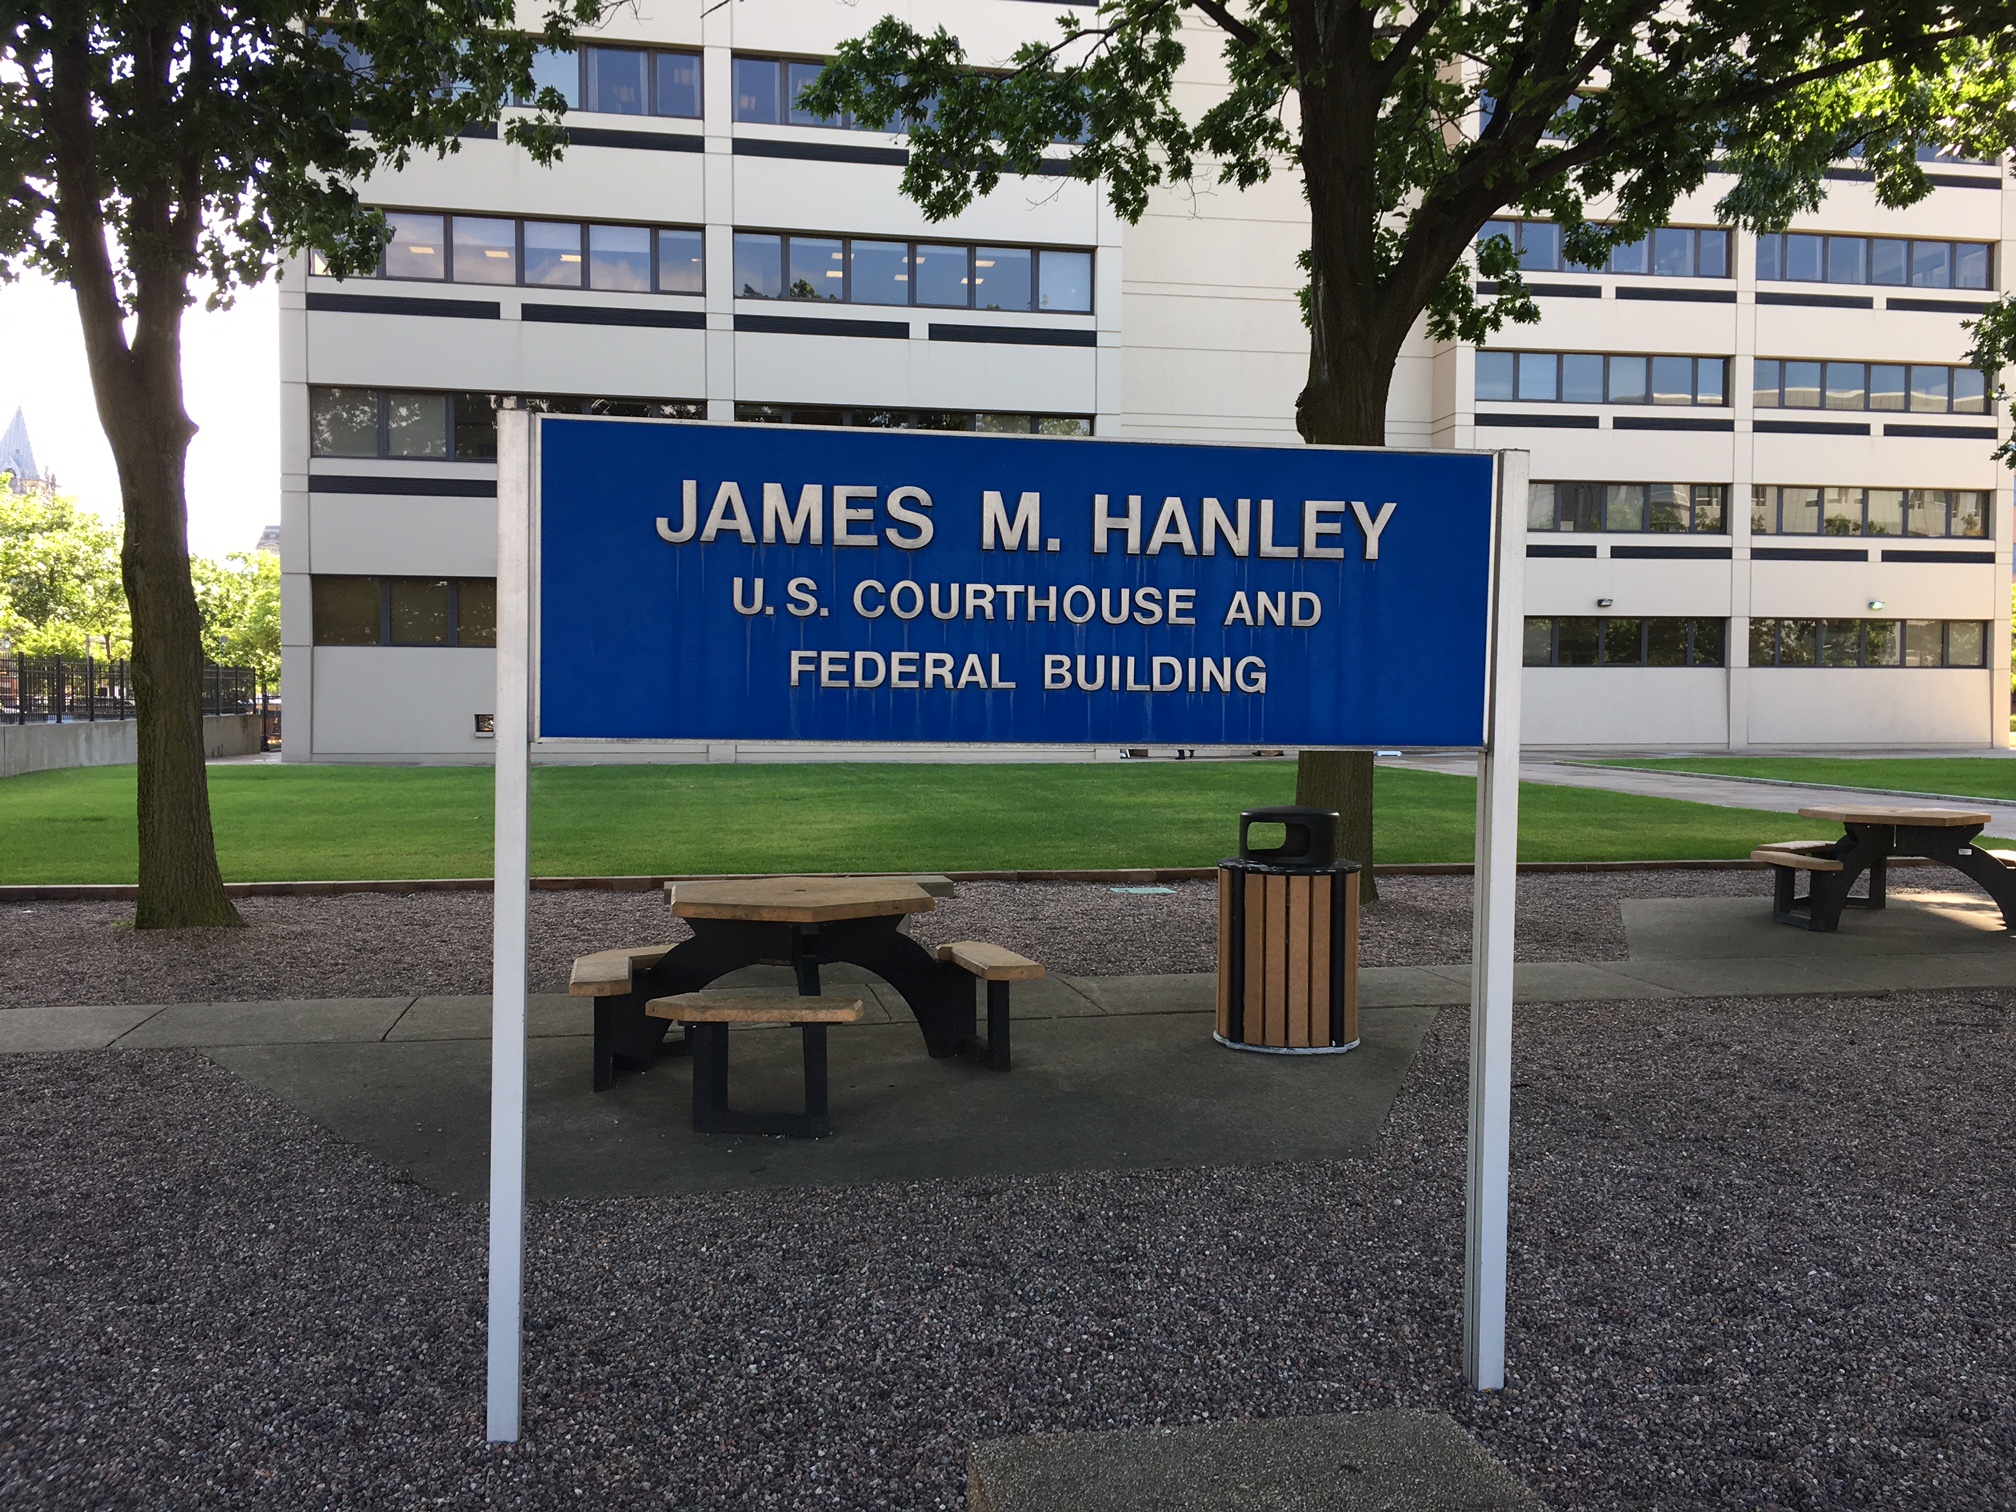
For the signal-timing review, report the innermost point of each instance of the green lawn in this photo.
(281, 823)
(1934, 776)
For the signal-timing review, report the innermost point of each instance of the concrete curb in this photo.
(118, 892)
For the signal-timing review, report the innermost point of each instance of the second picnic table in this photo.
(1873, 833)
(800, 922)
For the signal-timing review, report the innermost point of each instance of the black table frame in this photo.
(1868, 847)
(941, 995)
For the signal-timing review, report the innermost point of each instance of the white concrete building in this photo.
(1767, 511)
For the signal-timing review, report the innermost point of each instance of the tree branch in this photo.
(1408, 42)
(1241, 31)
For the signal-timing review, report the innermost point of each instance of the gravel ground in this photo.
(1760, 1261)
(387, 944)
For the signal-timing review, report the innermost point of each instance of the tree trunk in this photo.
(180, 884)
(137, 383)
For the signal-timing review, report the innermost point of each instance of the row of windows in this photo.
(361, 422)
(1868, 643)
(485, 249)
(1593, 378)
(403, 611)
(768, 265)
(1619, 641)
(1869, 511)
(854, 270)
(1796, 256)
(1660, 508)
(1804, 257)
(1668, 252)
(1663, 508)
(622, 80)
(1921, 388)
(988, 421)
(656, 81)
(667, 82)
(1776, 383)
(397, 423)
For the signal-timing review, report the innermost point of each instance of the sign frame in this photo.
(1495, 878)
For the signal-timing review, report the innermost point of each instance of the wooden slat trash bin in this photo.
(1288, 940)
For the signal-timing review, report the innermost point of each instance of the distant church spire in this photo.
(17, 456)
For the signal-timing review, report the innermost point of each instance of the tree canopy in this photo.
(1412, 125)
(165, 150)
(60, 593)
(239, 599)
(207, 140)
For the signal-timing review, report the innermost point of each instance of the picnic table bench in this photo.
(803, 923)
(1872, 834)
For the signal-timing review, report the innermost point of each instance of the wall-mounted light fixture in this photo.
(1604, 603)
(1875, 603)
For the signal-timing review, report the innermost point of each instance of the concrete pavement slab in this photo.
(468, 1017)
(1169, 992)
(1094, 1092)
(93, 1028)
(319, 1021)
(1742, 928)
(1412, 986)
(1382, 1461)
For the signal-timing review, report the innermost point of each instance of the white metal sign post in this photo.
(1496, 878)
(512, 869)
(556, 579)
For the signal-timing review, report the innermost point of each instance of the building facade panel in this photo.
(1598, 706)
(1194, 332)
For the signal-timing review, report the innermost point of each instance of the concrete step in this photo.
(1396, 1460)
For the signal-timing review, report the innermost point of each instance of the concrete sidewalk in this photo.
(1696, 787)
(1110, 1072)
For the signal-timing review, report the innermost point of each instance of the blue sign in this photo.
(754, 582)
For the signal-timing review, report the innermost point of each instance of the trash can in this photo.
(1288, 939)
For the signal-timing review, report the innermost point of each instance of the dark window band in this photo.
(1818, 301)
(683, 320)
(649, 141)
(1542, 422)
(800, 325)
(1015, 335)
(446, 488)
(1682, 296)
(1668, 423)
(373, 304)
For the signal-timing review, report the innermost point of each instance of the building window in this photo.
(767, 90)
(541, 254)
(1594, 378)
(622, 80)
(402, 424)
(404, 611)
(1619, 641)
(1809, 257)
(989, 422)
(1868, 643)
(628, 409)
(858, 270)
(1668, 252)
(1660, 508)
(1928, 512)
(360, 422)
(1896, 387)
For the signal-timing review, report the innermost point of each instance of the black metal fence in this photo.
(67, 689)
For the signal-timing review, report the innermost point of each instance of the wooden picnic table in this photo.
(1872, 834)
(800, 922)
